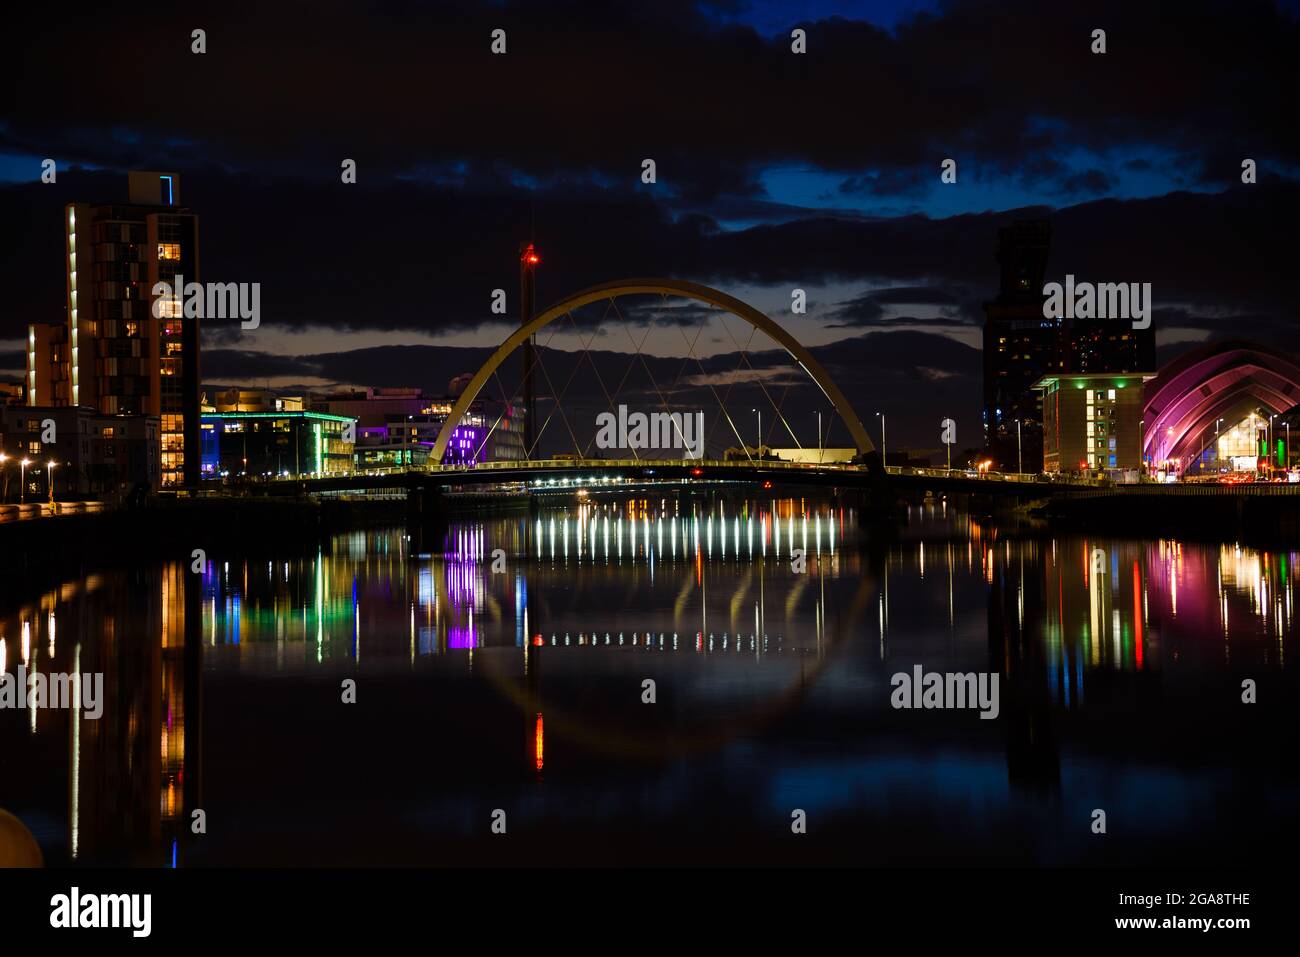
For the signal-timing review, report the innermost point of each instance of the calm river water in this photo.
(502, 677)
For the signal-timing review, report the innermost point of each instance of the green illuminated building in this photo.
(260, 444)
(1092, 422)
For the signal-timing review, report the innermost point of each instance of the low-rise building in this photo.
(397, 427)
(264, 444)
(82, 452)
(1092, 422)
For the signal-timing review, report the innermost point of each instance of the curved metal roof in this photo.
(1221, 380)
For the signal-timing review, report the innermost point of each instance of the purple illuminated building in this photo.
(1219, 403)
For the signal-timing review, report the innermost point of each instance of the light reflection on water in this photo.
(584, 595)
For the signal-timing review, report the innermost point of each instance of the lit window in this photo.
(169, 250)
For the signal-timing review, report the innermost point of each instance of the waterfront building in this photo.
(265, 444)
(1092, 422)
(88, 454)
(1022, 347)
(397, 427)
(111, 354)
(1221, 407)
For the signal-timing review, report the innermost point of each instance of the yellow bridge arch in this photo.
(666, 287)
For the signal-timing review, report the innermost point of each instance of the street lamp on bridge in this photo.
(884, 456)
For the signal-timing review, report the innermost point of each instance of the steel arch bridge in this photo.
(665, 288)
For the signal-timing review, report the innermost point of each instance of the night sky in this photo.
(774, 171)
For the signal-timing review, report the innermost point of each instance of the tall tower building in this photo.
(1108, 346)
(121, 359)
(1020, 347)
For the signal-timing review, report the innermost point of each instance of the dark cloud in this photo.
(598, 86)
(1092, 181)
(427, 259)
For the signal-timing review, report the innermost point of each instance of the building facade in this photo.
(397, 427)
(266, 444)
(1092, 423)
(1022, 347)
(112, 355)
(83, 453)
(1223, 406)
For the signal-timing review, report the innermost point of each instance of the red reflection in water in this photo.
(538, 740)
(1137, 616)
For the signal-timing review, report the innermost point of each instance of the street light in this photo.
(759, 448)
(49, 478)
(1020, 459)
(884, 455)
(22, 481)
(820, 456)
(3, 459)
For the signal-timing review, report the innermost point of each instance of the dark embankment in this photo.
(1264, 515)
(37, 551)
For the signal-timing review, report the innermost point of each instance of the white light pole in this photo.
(49, 478)
(820, 455)
(758, 449)
(884, 455)
(1020, 459)
(22, 481)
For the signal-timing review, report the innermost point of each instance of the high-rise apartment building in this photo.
(116, 356)
(1020, 347)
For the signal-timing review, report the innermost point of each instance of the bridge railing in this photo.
(704, 465)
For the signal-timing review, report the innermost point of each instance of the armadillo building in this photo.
(1218, 406)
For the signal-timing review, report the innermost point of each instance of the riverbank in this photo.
(37, 550)
(1265, 515)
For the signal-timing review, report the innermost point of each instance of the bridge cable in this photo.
(721, 404)
(744, 352)
(663, 401)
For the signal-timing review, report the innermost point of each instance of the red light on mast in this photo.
(530, 256)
